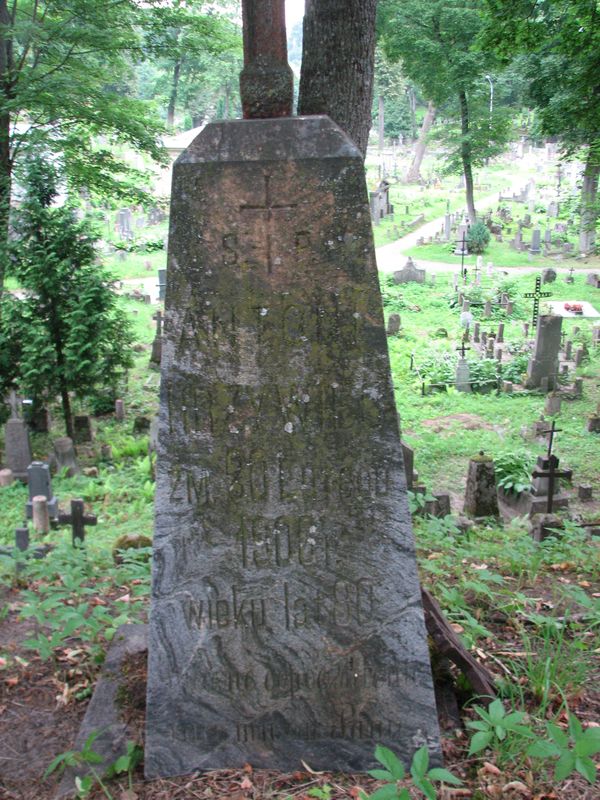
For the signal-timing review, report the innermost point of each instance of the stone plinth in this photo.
(544, 364)
(480, 493)
(17, 450)
(286, 619)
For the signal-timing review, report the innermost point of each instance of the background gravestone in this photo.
(286, 618)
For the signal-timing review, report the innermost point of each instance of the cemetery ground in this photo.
(529, 612)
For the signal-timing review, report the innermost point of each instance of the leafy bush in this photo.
(515, 369)
(513, 471)
(478, 238)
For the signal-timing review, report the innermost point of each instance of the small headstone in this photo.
(119, 410)
(568, 351)
(64, 456)
(410, 274)
(466, 305)
(476, 332)
(593, 279)
(443, 505)
(106, 452)
(545, 525)
(536, 237)
(487, 309)
(578, 387)
(141, 425)
(40, 484)
(552, 405)
(525, 329)
(22, 539)
(579, 356)
(82, 429)
(39, 514)
(393, 325)
(17, 450)
(498, 351)
(480, 494)
(507, 387)
(585, 492)
(593, 424)
(543, 366)
(548, 275)
(500, 333)
(509, 308)
(463, 376)
(162, 283)
(6, 477)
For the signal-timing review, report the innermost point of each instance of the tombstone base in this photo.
(104, 712)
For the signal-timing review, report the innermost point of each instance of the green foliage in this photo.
(573, 749)
(77, 337)
(513, 470)
(478, 238)
(495, 725)
(393, 771)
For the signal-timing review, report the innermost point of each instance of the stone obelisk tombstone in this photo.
(286, 618)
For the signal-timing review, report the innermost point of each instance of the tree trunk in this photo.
(412, 107)
(589, 199)
(338, 54)
(465, 154)
(6, 93)
(413, 174)
(173, 95)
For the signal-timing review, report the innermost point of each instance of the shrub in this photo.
(478, 238)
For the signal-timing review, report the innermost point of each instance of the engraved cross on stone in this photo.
(268, 210)
(537, 296)
(267, 81)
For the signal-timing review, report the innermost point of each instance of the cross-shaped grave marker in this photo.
(552, 473)
(537, 296)
(77, 519)
(462, 349)
(267, 210)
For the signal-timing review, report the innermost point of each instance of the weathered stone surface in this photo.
(82, 429)
(480, 494)
(286, 618)
(64, 456)
(544, 364)
(17, 450)
(104, 714)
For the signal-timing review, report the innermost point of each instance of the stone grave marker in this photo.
(64, 456)
(543, 365)
(394, 323)
(82, 429)
(480, 493)
(286, 618)
(410, 273)
(40, 484)
(536, 238)
(17, 450)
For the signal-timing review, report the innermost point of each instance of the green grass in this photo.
(442, 457)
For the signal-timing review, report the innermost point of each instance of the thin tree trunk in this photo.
(465, 153)
(413, 174)
(589, 199)
(7, 93)
(381, 123)
(173, 95)
(338, 54)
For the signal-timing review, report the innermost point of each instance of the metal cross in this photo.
(462, 349)
(268, 210)
(77, 519)
(537, 296)
(552, 431)
(552, 474)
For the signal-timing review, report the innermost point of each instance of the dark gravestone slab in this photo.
(17, 450)
(286, 618)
